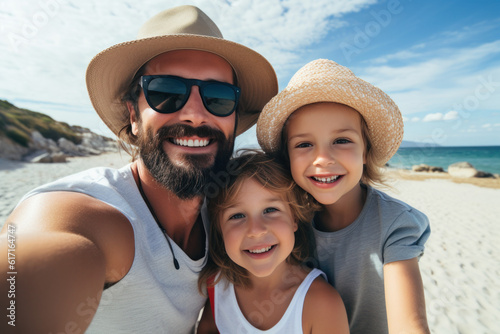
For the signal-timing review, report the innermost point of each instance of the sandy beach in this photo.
(460, 267)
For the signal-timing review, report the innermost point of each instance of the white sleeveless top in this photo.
(153, 297)
(229, 318)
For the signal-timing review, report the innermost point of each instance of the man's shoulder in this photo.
(94, 181)
(70, 204)
(103, 175)
(65, 211)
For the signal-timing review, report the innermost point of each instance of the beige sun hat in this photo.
(186, 27)
(324, 80)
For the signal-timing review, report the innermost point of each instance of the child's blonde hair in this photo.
(265, 169)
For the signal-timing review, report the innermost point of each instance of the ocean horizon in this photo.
(483, 158)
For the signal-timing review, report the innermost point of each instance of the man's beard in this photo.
(186, 180)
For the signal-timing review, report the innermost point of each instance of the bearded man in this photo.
(119, 250)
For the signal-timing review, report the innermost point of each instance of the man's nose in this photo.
(194, 111)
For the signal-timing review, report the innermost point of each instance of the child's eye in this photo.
(236, 216)
(269, 210)
(302, 145)
(342, 141)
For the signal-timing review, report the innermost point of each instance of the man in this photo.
(120, 250)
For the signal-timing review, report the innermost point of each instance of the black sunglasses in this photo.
(167, 94)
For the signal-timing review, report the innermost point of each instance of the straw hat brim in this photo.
(381, 114)
(111, 71)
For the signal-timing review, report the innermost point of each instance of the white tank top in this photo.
(153, 297)
(230, 319)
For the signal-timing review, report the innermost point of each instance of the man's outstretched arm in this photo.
(58, 250)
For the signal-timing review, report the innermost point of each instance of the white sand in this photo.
(460, 268)
(17, 178)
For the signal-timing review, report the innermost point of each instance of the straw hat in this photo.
(324, 80)
(185, 27)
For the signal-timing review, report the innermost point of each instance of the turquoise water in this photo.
(483, 158)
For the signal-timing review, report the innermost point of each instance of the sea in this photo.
(483, 158)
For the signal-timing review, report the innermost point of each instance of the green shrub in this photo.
(26, 121)
(18, 137)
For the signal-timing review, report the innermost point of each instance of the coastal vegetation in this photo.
(17, 124)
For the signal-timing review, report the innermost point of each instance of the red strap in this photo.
(210, 288)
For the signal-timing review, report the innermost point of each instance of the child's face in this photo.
(258, 229)
(326, 150)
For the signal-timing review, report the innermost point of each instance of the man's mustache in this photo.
(184, 130)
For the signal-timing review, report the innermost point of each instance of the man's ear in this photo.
(133, 118)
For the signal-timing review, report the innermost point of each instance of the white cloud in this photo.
(433, 117)
(48, 62)
(401, 55)
(46, 45)
(439, 77)
(442, 82)
(283, 30)
(435, 66)
(450, 115)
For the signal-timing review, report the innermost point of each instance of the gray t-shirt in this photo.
(386, 230)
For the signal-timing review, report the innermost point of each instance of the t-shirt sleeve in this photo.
(406, 236)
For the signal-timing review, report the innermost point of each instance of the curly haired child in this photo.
(258, 246)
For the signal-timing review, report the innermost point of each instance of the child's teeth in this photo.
(258, 251)
(326, 179)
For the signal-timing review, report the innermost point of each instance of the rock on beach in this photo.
(459, 170)
(427, 168)
(465, 169)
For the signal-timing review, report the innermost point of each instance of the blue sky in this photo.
(439, 60)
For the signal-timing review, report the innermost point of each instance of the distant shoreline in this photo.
(406, 174)
(483, 158)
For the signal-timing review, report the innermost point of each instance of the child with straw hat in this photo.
(336, 132)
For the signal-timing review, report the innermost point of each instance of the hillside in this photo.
(25, 134)
(18, 124)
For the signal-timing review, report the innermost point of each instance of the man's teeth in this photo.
(329, 179)
(262, 250)
(191, 142)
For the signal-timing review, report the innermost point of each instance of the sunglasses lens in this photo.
(166, 95)
(219, 99)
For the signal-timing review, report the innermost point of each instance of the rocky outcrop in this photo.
(427, 168)
(465, 170)
(39, 142)
(459, 170)
(45, 157)
(42, 150)
(11, 150)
